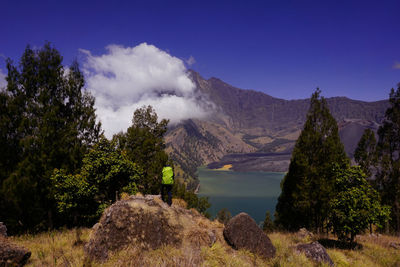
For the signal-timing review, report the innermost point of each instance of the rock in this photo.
(243, 232)
(303, 233)
(316, 252)
(394, 245)
(3, 229)
(149, 223)
(12, 255)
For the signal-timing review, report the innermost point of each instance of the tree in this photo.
(365, 153)
(308, 186)
(47, 121)
(388, 149)
(106, 172)
(201, 204)
(355, 206)
(224, 215)
(268, 225)
(144, 144)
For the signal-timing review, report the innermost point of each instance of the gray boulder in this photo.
(12, 255)
(316, 252)
(243, 232)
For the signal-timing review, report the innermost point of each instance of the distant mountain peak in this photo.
(245, 121)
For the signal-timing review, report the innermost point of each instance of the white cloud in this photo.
(396, 65)
(126, 78)
(191, 61)
(3, 82)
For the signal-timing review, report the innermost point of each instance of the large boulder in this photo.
(316, 252)
(149, 223)
(243, 232)
(12, 255)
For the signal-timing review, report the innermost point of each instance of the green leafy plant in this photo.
(356, 204)
(106, 172)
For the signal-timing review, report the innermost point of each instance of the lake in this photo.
(250, 192)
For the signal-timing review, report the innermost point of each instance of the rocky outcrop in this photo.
(316, 252)
(243, 232)
(149, 223)
(12, 255)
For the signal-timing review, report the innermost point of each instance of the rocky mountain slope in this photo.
(246, 122)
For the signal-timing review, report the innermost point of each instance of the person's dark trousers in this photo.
(168, 188)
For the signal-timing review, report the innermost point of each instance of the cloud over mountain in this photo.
(3, 82)
(126, 78)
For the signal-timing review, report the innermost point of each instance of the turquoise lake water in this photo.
(252, 192)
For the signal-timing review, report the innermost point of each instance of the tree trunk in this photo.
(50, 219)
(397, 207)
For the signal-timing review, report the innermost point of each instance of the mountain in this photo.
(254, 131)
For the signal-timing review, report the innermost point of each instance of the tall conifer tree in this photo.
(308, 185)
(144, 144)
(365, 153)
(48, 122)
(388, 176)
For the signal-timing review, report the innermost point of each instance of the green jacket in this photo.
(167, 175)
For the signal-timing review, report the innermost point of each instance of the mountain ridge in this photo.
(246, 121)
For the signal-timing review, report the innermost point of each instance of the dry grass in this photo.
(59, 248)
(55, 248)
(179, 203)
(124, 196)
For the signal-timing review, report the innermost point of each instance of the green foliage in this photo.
(355, 206)
(201, 204)
(268, 225)
(47, 121)
(224, 215)
(143, 144)
(308, 186)
(105, 173)
(388, 149)
(365, 153)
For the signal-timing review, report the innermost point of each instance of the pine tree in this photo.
(48, 122)
(144, 144)
(388, 176)
(268, 225)
(224, 215)
(365, 153)
(308, 185)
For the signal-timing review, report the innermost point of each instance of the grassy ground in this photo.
(64, 248)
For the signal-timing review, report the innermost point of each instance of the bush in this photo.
(105, 173)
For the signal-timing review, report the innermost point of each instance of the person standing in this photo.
(166, 183)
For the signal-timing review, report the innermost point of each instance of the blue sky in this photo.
(283, 48)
